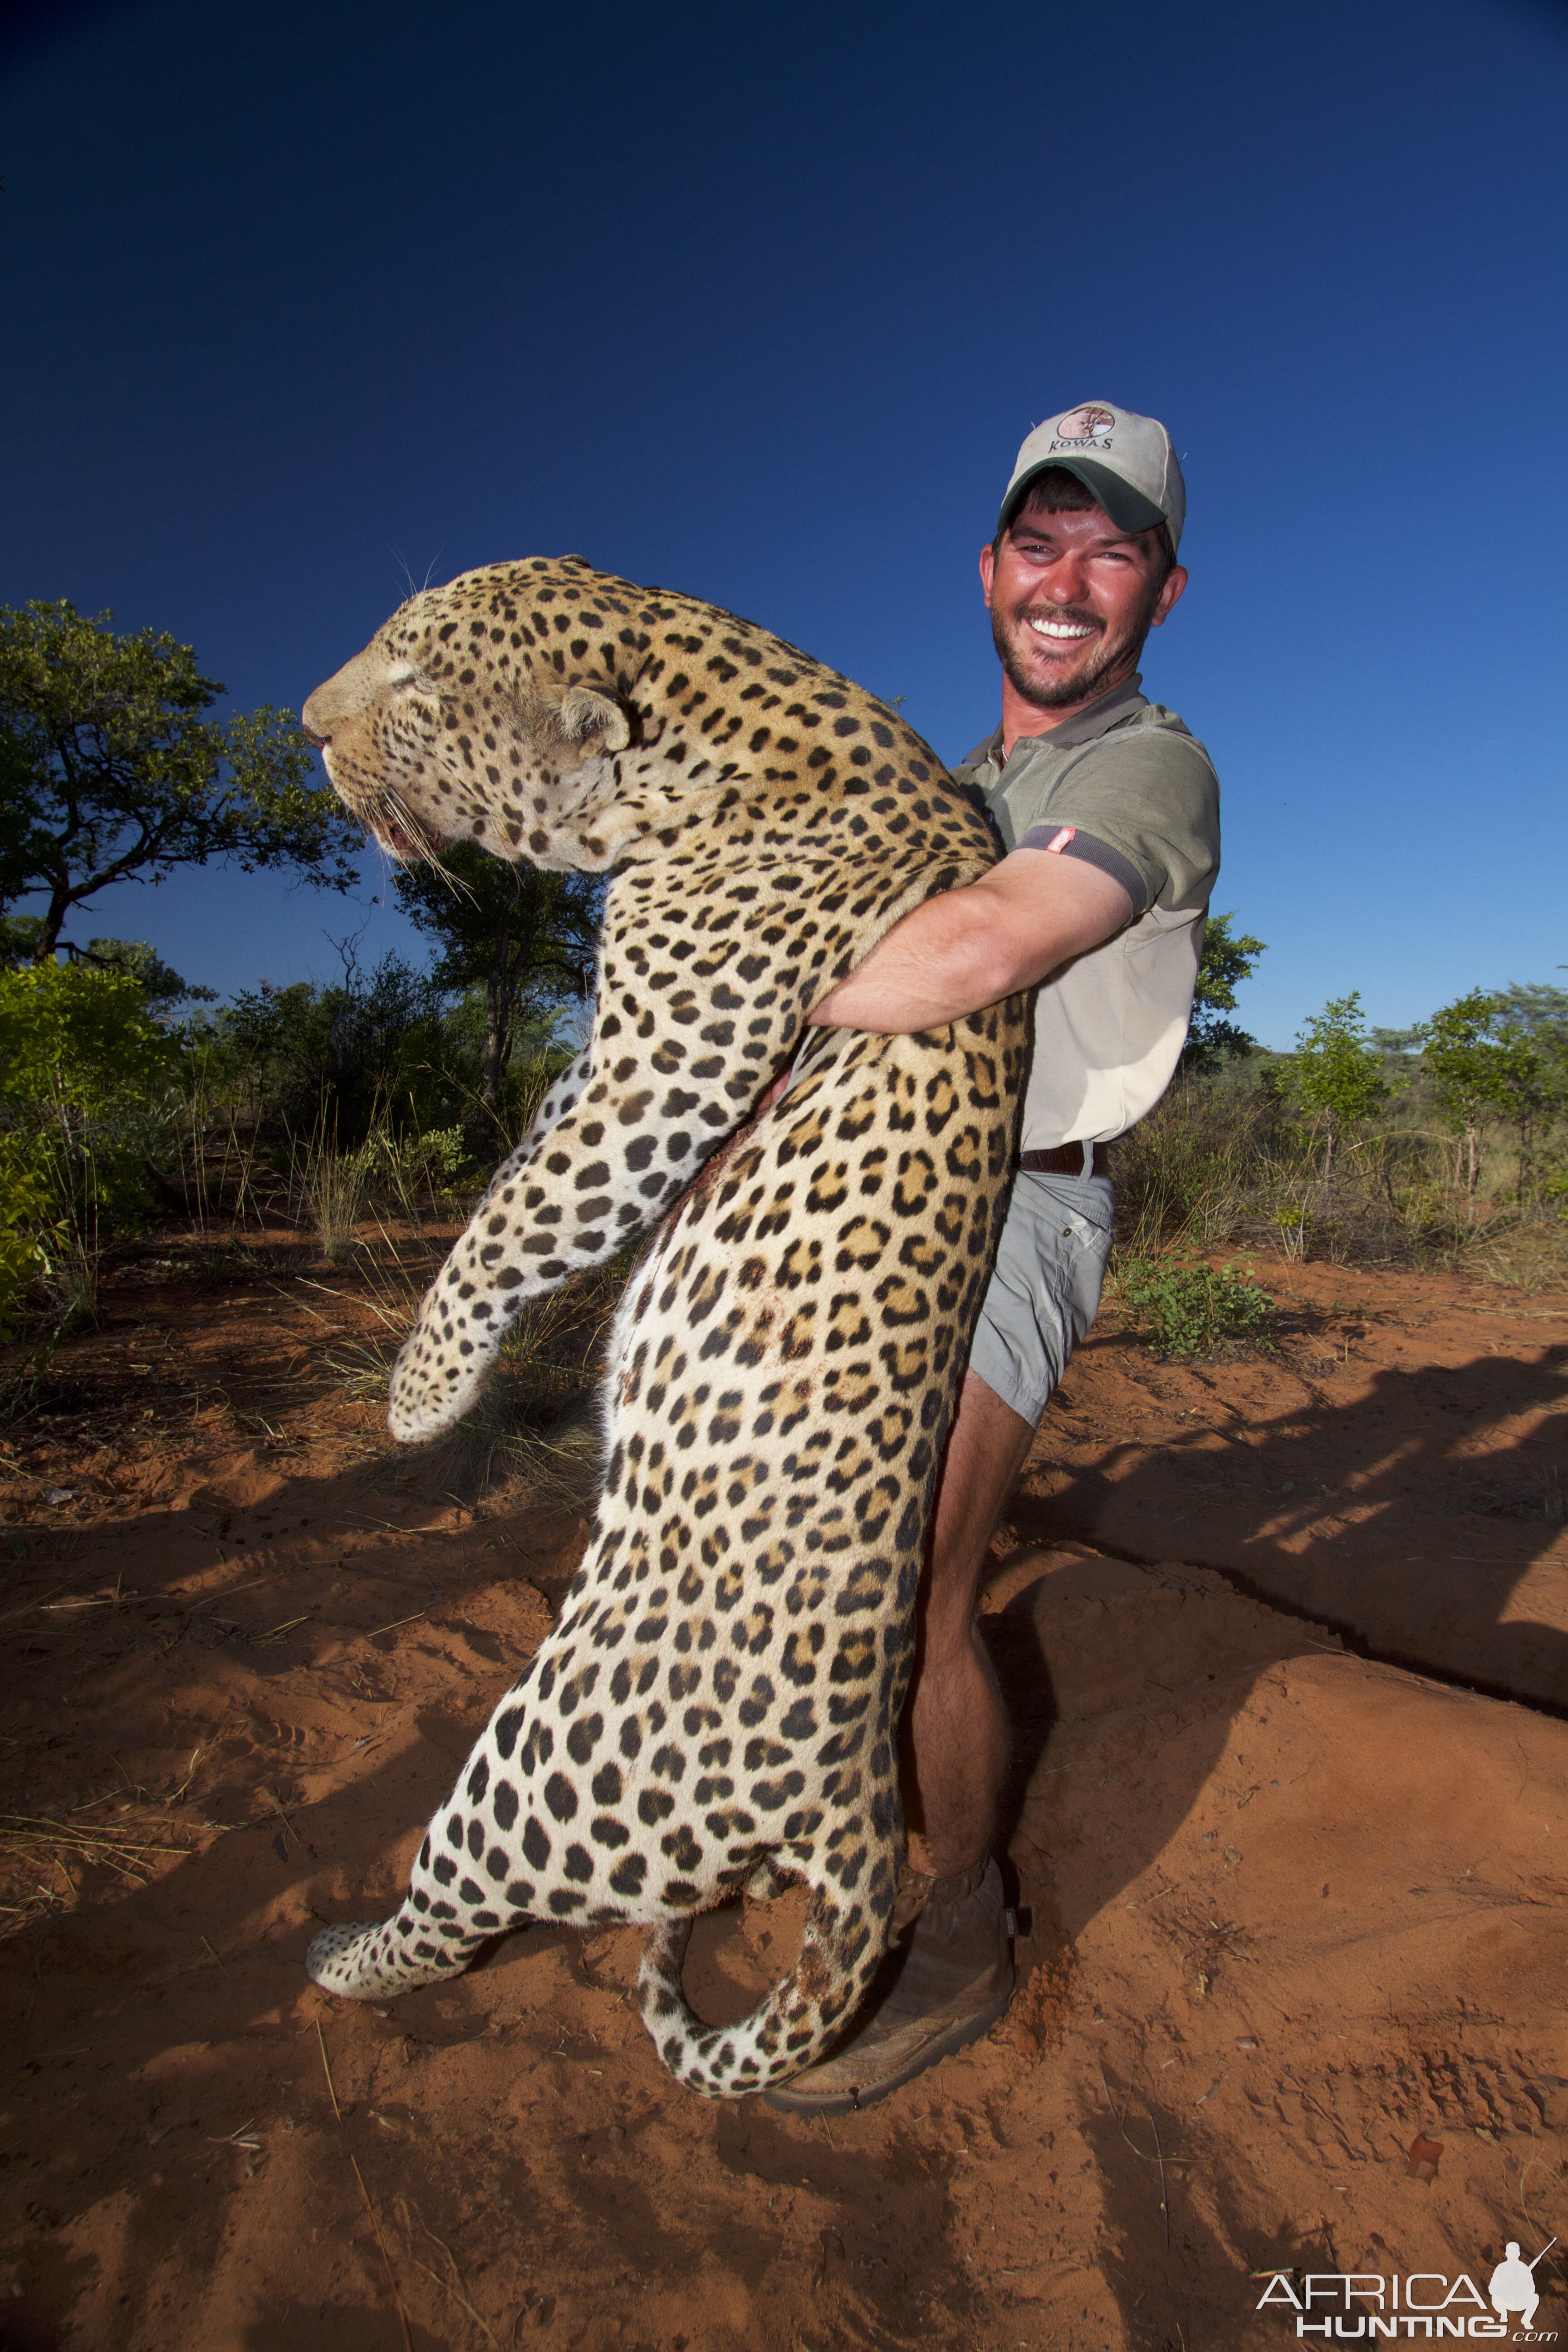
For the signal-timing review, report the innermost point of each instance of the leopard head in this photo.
(493, 710)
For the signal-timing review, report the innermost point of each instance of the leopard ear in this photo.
(595, 720)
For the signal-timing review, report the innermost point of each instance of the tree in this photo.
(370, 1047)
(109, 772)
(1335, 1073)
(19, 937)
(1224, 963)
(160, 983)
(1539, 1009)
(522, 935)
(1490, 1059)
(1401, 1047)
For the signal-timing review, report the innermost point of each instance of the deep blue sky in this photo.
(758, 302)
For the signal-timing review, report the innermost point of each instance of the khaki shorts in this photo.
(1045, 1286)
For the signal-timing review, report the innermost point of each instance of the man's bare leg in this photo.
(956, 1734)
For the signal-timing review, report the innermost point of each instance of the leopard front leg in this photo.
(640, 1125)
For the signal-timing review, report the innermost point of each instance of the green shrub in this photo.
(72, 1033)
(1336, 1074)
(25, 1223)
(1187, 1310)
(436, 1162)
(87, 1095)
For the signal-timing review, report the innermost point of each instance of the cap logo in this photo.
(1083, 428)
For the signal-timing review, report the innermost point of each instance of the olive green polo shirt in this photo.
(1125, 786)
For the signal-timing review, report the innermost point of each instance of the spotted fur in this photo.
(718, 1706)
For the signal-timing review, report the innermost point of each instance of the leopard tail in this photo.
(795, 2023)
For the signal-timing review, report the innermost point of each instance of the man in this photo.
(1110, 812)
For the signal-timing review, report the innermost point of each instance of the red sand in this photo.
(1291, 1906)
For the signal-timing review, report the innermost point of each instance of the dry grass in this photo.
(34, 1848)
(1208, 1164)
(1521, 1255)
(533, 1424)
(1220, 1163)
(336, 1187)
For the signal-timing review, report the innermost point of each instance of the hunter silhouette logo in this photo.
(1512, 2285)
(1349, 2307)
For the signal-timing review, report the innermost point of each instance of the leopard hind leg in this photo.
(427, 1938)
(473, 1879)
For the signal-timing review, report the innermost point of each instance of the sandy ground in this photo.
(1285, 1637)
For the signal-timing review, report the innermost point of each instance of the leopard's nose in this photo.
(312, 718)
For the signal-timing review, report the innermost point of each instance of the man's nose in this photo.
(1065, 579)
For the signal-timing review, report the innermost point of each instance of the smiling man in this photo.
(1109, 809)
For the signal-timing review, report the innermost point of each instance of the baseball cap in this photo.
(1124, 461)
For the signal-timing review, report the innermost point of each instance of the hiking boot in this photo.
(947, 1978)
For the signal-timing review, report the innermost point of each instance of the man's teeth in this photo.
(1059, 628)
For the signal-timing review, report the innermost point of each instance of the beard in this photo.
(1079, 684)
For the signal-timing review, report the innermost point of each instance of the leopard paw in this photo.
(337, 1960)
(430, 1393)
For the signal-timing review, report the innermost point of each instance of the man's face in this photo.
(1071, 600)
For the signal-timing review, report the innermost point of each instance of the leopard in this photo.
(715, 1710)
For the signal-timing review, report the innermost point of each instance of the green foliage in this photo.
(1235, 1157)
(1494, 1056)
(1539, 1012)
(1188, 1311)
(1226, 961)
(26, 1222)
(437, 1160)
(341, 1058)
(73, 1035)
(384, 1053)
(19, 937)
(87, 1085)
(1466, 1057)
(1334, 1072)
(160, 983)
(524, 938)
(1213, 1149)
(109, 770)
(1399, 1047)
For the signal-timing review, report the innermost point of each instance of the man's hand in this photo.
(972, 947)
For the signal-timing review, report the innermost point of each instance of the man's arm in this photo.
(972, 947)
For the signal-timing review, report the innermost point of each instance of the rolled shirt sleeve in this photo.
(1146, 793)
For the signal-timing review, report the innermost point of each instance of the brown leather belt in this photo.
(1068, 1159)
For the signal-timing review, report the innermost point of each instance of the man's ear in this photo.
(987, 569)
(1171, 588)
(595, 721)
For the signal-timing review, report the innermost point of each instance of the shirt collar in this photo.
(1083, 726)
